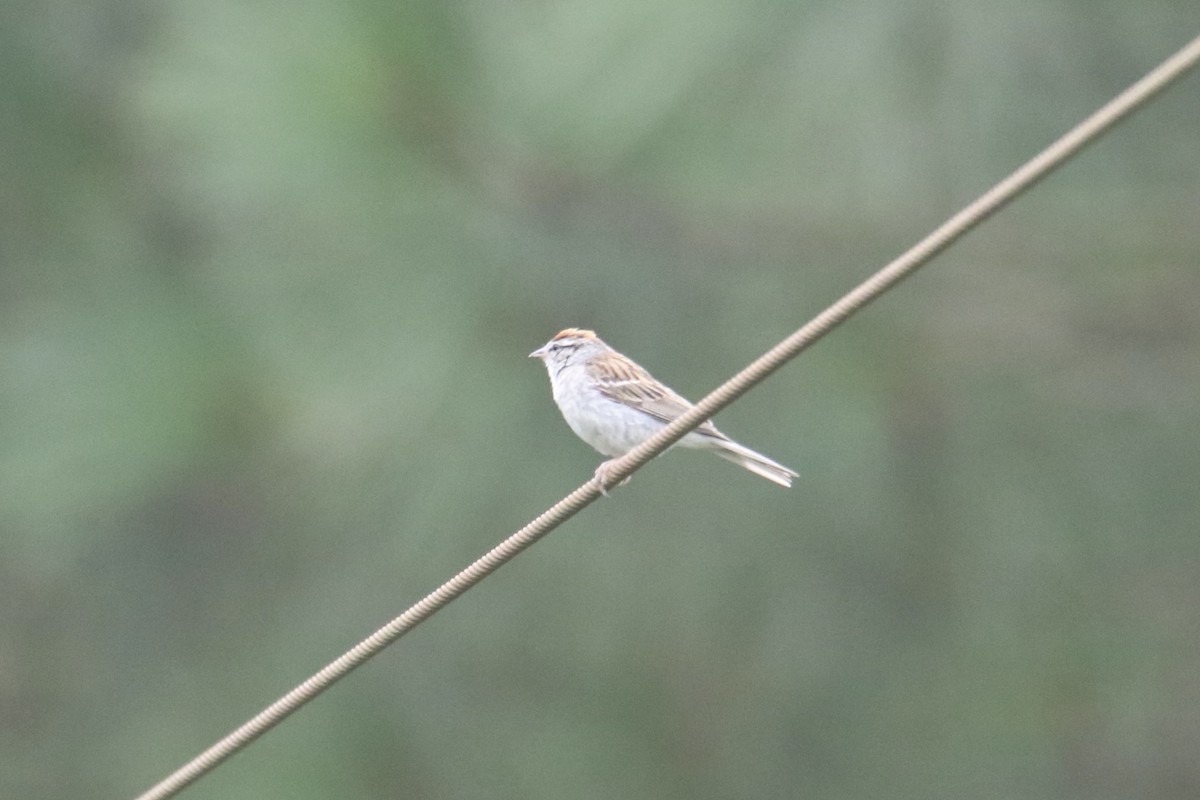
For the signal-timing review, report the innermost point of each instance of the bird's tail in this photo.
(755, 462)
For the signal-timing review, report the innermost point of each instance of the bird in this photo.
(614, 405)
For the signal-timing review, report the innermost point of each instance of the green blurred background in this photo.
(268, 275)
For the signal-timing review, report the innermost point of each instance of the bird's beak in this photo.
(539, 353)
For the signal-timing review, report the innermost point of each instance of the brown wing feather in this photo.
(620, 379)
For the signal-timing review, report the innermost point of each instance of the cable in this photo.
(989, 203)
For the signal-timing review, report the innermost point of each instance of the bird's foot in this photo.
(603, 477)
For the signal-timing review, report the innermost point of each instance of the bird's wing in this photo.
(619, 379)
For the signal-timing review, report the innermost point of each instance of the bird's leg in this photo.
(603, 481)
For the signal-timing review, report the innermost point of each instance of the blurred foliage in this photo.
(268, 275)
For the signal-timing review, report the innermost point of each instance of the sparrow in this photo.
(614, 405)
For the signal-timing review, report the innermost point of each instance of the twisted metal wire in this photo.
(989, 203)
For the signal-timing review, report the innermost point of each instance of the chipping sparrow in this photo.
(614, 405)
